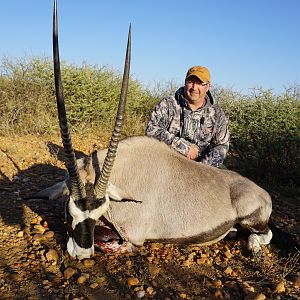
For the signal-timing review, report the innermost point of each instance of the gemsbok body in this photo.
(148, 191)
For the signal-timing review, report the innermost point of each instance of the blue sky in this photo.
(245, 44)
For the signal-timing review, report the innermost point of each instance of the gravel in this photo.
(34, 263)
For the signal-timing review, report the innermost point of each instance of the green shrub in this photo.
(265, 133)
(28, 105)
(26, 98)
(265, 128)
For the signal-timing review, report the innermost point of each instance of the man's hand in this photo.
(193, 152)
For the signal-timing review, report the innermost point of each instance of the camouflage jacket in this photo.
(174, 123)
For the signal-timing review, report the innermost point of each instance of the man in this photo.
(190, 122)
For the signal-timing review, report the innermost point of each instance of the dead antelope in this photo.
(147, 191)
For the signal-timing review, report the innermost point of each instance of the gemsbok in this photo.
(148, 191)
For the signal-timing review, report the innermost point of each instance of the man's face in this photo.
(195, 89)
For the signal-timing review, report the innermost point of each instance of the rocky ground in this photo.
(35, 265)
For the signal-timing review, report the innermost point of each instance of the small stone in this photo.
(228, 271)
(201, 261)
(150, 290)
(187, 263)
(128, 263)
(26, 229)
(52, 255)
(94, 285)
(20, 234)
(182, 296)
(37, 220)
(280, 287)
(249, 289)
(218, 294)
(260, 296)
(138, 288)
(228, 254)
(37, 237)
(150, 258)
(218, 260)
(133, 281)
(49, 234)
(31, 256)
(217, 283)
(40, 228)
(83, 278)
(88, 263)
(155, 246)
(140, 294)
(34, 231)
(69, 272)
(45, 224)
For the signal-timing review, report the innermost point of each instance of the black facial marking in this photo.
(90, 202)
(83, 234)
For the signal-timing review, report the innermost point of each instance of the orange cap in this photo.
(200, 72)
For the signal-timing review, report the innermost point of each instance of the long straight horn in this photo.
(101, 184)
(77, 188)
